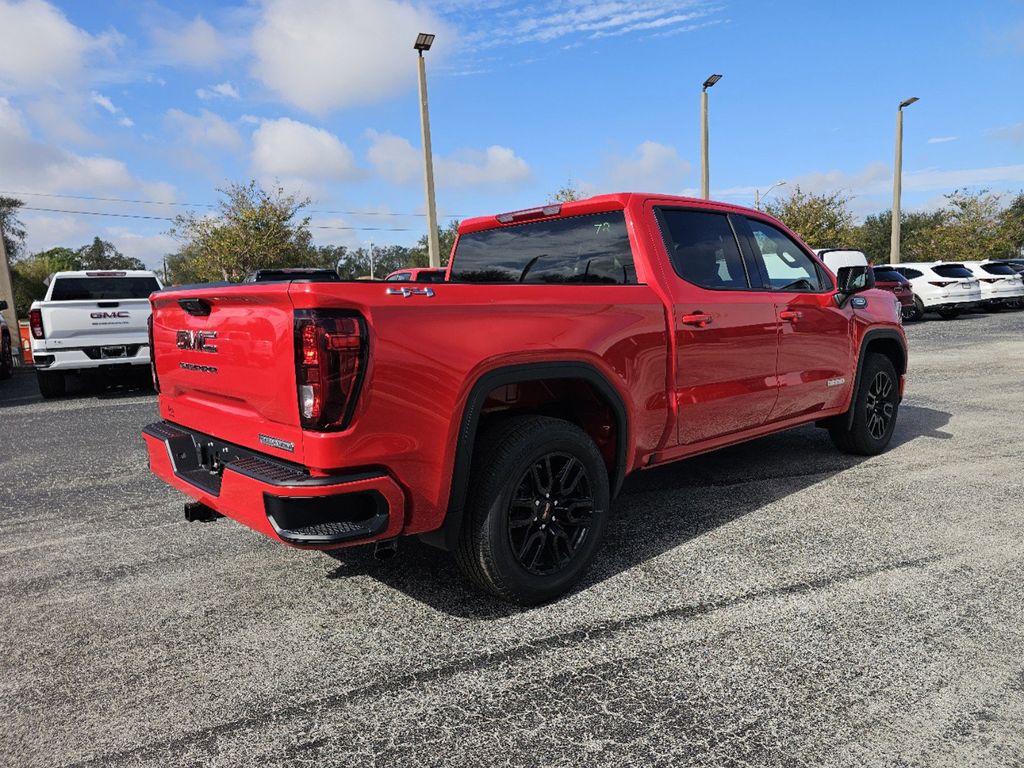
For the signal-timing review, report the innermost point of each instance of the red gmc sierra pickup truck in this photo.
(496, 414)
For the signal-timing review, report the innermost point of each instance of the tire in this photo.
(875, 407)
(524, 553)
(918, 312)
(948, 313)
(6, 358)
(51, 384)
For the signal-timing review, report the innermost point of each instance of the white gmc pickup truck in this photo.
(90, 320)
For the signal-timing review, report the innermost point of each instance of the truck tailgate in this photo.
(89, 323)
(225, 362)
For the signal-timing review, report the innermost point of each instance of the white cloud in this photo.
(295, 152)
(505, 23)
(398, 161)
(195, 43)
(59, 119)
(103, 101)
(321, 55)
(30, 164)
(46, 231)
(126, 122)
(942, 139)
(651, 166)
(394, 158)
(225, 90)
(205, 129)
(1012, 133)
(40, 47)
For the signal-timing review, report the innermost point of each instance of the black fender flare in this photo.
(446, 537)
(873, 334)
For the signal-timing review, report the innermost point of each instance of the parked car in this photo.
(888, 279)
(837, 258)
(1001, 286)
(292, 273)
(419, 275)
(943, 287)
(6, 346)
(496, 415)
(93, 320)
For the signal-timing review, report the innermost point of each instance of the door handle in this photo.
(790, 314)
(698, 319)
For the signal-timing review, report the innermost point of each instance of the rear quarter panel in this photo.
(426, 353)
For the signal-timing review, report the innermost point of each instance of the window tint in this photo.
(998, 269)
(788, 267)
(702, 248)
(952, 270)
(102, 288)
(434, 276)
(909, 273)
(583, 249)
(400, 277)
(888, 273)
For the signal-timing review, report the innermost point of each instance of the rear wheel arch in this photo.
(472, 421)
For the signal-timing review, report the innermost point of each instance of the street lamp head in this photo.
(423, 42)
(711, 81)
(908, 102)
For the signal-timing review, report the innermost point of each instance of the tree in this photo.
(419, 255)
(1011, 225)
(12, 228)
(821, 220)
(567, 193)
(917, 231)
(100, 254)
(971, 228)
(254, 229)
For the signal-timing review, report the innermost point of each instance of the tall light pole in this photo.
(758, 197)
(704, 183)
(897, 184)
(423, 43)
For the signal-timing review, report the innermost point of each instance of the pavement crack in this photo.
(206, 737)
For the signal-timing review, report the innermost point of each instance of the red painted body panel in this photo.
(686, 389)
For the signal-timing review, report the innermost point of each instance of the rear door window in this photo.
(952, 270)
(788, 268)
(703, 249)
(102, 288)
(592, 249)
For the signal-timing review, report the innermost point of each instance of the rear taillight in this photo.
(942, 283)
(990, 279)
(152, 355)
(330, 358)
(35, 322)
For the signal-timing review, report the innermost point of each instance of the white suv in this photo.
(944, 287)
(1001, 286)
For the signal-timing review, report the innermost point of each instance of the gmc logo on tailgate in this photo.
(196, 340)
(108, 315)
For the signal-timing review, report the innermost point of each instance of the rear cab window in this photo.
(592, 249)
(102, 288)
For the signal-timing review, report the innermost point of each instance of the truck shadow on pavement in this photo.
(22, 389)
(658, 510)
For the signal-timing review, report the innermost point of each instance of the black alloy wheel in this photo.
(550, 513)
(880, 404)
(536, 510)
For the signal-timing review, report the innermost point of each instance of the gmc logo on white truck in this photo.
(109, 315)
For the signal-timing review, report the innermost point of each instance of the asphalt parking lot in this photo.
(776, 603)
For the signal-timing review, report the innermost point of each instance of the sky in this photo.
(154, 106)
